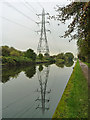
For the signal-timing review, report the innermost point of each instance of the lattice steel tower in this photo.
(43, 47)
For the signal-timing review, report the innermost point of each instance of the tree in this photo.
(80, 11)
(15, 53)
(46, 55)
(30, 54)
(40, 56)
(5, 51)
(69, 56)
(60, 56)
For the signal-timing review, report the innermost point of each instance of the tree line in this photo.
(11, 56)
(79, 27)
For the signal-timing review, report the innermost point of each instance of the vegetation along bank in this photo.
(74, 101)
(13, 57)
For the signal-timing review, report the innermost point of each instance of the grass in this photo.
(74, 101)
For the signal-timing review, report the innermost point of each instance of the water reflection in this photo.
(30, 71)
(67, 64)
(13, 72)
(60, 65)
(43, 74)
(32, 98)
(40, 68)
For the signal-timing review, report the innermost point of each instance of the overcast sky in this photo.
(23, 36)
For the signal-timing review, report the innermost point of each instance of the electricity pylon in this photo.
(43, 47)
(43, 79)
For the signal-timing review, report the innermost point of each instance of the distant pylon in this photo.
(43, 47)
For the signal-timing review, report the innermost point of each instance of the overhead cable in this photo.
(15, 22)
(30, 6)
(9, 5)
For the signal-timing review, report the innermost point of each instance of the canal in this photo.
(33, 91)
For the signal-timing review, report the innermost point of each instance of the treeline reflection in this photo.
(8, 73)
(65, 64)
(13, 72)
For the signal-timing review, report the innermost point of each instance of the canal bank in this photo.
(74, 101)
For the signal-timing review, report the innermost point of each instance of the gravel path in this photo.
(86, 71)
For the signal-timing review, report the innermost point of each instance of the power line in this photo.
(30, 6)
(9, 5)
(26, 109)
(40, 5)
(15, 22)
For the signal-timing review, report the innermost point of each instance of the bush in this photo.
(30, 54)
(69, 56)
(8, 60)
(16, 60)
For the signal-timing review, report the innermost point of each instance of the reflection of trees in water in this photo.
(9, 72)
(40, 68)
(67, 64)
(29, 72)
(43, 75)
(13, 72)
(60, 65)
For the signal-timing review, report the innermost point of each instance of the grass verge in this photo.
(74, 101)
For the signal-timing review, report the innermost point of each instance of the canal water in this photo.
(33, 91)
